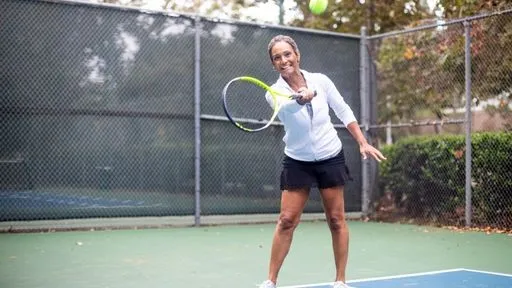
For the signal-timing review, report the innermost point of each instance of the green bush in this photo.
(426, 176)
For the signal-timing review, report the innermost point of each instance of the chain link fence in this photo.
(111, 112)
(423, 79)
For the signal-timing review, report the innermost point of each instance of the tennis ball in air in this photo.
(317, 6)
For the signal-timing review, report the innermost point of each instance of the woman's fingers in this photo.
(373, 152)
(307, 95)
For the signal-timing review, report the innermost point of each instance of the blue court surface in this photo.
(456, 278)
(30, 199)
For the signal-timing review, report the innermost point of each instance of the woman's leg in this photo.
(292, 205)
(334, 206)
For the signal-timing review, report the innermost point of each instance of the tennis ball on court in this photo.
(317, 6)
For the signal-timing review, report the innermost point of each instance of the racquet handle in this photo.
(298, 96)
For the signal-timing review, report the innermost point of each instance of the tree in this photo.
(491, 54)
(424, 71)
(349, 16)
(417, 72)
(450, 9)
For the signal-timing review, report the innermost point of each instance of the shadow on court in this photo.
(237, 256)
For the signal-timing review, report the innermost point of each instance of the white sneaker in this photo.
(340, 284)
(268, 284)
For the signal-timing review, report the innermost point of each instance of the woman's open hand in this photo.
(368, 150)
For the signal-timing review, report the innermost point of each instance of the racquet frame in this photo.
(274, 94)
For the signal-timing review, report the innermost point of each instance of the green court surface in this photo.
(237, 255)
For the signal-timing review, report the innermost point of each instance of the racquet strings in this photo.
(247, 105)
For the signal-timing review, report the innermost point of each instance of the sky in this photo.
(268, 13)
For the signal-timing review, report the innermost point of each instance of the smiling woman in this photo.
(313, 154)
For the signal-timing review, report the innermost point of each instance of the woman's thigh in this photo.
(293, 203)
(333, 202)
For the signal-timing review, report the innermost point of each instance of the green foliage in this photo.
(426, 176)
(492, 177)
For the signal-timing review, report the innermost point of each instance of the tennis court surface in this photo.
(236, 256)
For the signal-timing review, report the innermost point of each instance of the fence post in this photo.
(467, 60)
(365, 100)
(197, 121)
(389, 135)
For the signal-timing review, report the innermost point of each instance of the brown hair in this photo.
(282, 38)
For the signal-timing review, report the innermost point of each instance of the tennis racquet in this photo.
(246, 106)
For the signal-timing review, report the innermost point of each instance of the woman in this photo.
(313, 154)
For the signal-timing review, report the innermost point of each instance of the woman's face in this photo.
(284, 59)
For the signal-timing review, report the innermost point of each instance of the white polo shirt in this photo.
(312, 138)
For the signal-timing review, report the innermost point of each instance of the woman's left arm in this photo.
(346, 115)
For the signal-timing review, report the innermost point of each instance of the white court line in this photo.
(487, 272)
(383, 278)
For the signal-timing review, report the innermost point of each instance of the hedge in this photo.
(426, 177)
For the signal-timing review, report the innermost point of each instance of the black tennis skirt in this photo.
(326, 173)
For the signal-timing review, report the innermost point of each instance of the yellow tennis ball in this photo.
(317, 6)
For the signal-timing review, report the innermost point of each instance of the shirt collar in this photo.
(282, 83)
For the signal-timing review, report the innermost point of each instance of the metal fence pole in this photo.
(197, 121)
(467, 37)
(389, 135)
(364, 89)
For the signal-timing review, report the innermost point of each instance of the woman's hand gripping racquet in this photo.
(245, 104)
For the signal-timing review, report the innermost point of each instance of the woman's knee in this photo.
(287, 222)
(336, 222)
